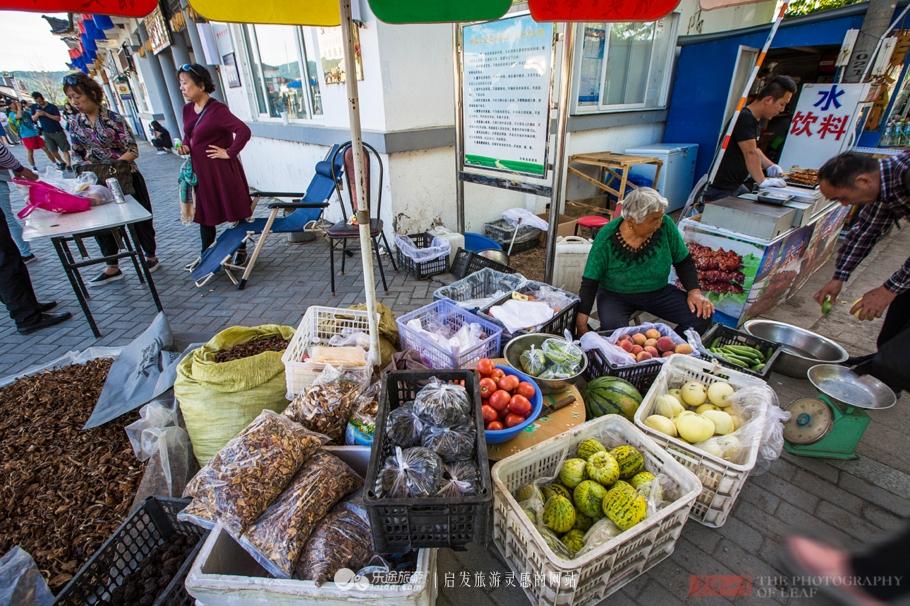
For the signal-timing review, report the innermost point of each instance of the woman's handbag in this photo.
(118, 169)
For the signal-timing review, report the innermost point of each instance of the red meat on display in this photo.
(706, 258)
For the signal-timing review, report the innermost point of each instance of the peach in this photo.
(637, 349)
(642, 356)
(683, 348)
(667, 354)
(652, 333)
(666, 344)
(639, 339)
(651, 343)
(626, 345)
(652, 350)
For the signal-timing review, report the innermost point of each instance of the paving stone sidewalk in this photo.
(848, 502)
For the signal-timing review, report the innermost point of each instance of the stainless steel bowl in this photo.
(801, 349)
(850, 389)
(518, 345)
(495, 255)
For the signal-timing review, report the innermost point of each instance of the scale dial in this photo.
(810, 420)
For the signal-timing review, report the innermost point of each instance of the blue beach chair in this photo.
(307, 209)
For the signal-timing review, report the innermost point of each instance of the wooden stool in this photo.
(592, 222)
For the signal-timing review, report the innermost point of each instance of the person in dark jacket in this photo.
(162, 138)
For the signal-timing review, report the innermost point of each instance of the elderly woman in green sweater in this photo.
(629, 266)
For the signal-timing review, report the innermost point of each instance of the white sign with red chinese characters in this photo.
(822, 124)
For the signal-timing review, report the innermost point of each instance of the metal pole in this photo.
(559, 161)
(358, 184)
(459, 128)
(742, 100)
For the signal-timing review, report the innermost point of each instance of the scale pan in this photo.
(847, 388)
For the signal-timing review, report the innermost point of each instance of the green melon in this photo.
(603, 468)
(583, 522)
(642, 478)
(630, 460)
(572, 472)
(589, 496)
(611, 395)
(624, 506)
(529, 492)
(553, 542)
(574, 540)
(588, 447)
(559, 514)
(555, 489)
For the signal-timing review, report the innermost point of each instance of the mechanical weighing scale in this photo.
(831, 425)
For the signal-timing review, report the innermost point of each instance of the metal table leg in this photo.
(68, 269)
(129, 248)
(65, 247)
(145, 269)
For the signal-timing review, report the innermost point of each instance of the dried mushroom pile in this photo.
(63, 491)
(252, 348)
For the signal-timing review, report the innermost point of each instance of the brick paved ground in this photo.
(851, 502)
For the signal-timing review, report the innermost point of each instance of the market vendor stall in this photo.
(744, 275)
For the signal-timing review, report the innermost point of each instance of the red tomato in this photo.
(513, 420)
(497, 374)
(509, 383)
(526, 389)
(520, 406)
(489, 413)
(487, 387)
(495, 426)
(500, 399)
(485, 367)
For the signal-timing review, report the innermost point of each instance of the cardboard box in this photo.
(566, 226)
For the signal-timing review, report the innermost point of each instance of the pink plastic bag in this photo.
(47, 197)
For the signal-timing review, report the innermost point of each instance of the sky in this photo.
(26, 43)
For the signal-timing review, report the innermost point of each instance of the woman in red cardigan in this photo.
(213, 137)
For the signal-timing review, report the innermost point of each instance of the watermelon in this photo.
(611, 395)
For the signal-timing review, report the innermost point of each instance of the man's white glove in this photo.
(772, 183)
(774, 170)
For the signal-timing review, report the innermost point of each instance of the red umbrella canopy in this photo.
(599, 10)
(119, 8)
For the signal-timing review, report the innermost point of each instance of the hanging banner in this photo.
(601, 10)
(158, 32)
(506, 91)
(822, 123)
(710, 5)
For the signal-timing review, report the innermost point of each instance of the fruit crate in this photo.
(317, 327)
(502, 232)
(466, 263)
(728, 336)
(484, 284)
(422, 270)
(402, 524)
(447, 313)
(152, 525)
(606, 568)
(721, 479)
(562, 321)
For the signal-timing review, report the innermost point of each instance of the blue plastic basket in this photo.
(504, 435)
(448, 314)
(474, 242)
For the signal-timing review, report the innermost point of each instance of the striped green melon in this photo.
(553, 489)
(589, 496)
(642, 478)
(611, 395)
(574, 540)
(572, 472)
(583, 522)
(603, 468)
(624, 506)
(529, 492)
(588, 447)
(630, 460)
(559, 514)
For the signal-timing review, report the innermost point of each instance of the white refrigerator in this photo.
(677, 175)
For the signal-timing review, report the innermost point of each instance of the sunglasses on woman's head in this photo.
(71, 79)
(188, 67)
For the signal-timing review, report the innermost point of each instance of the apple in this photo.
(639, 338)
(666, 344)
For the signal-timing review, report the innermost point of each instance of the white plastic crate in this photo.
(319, 324)
(608, 567)
(224, 574)
(721, 479)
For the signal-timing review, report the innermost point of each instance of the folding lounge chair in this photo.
(307, 208)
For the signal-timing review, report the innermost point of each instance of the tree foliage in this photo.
(806, 7)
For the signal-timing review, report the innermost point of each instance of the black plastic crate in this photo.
(152, 525)
(562, 321)
(411, 523)
(467, 262)
(724, 335)
(481, 284)
(640, 375)
(422, 270)
(502, 231)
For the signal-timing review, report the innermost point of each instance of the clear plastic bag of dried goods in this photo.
(444, 404)
(245, 476)
(341, 540)
(277, 538)
(412, 472)
(460, 478)
(365, 408)
(404, 427)
(451, 443)
(21, 583)
(328, 403)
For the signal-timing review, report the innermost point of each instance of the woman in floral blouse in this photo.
(100, 135)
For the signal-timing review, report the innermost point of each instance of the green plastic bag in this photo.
(217, 399)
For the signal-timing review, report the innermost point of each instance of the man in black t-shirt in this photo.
(743, 158)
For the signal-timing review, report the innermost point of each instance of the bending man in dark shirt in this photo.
(743, 158)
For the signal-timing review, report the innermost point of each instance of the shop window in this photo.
(284, 80)
(624, 65)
